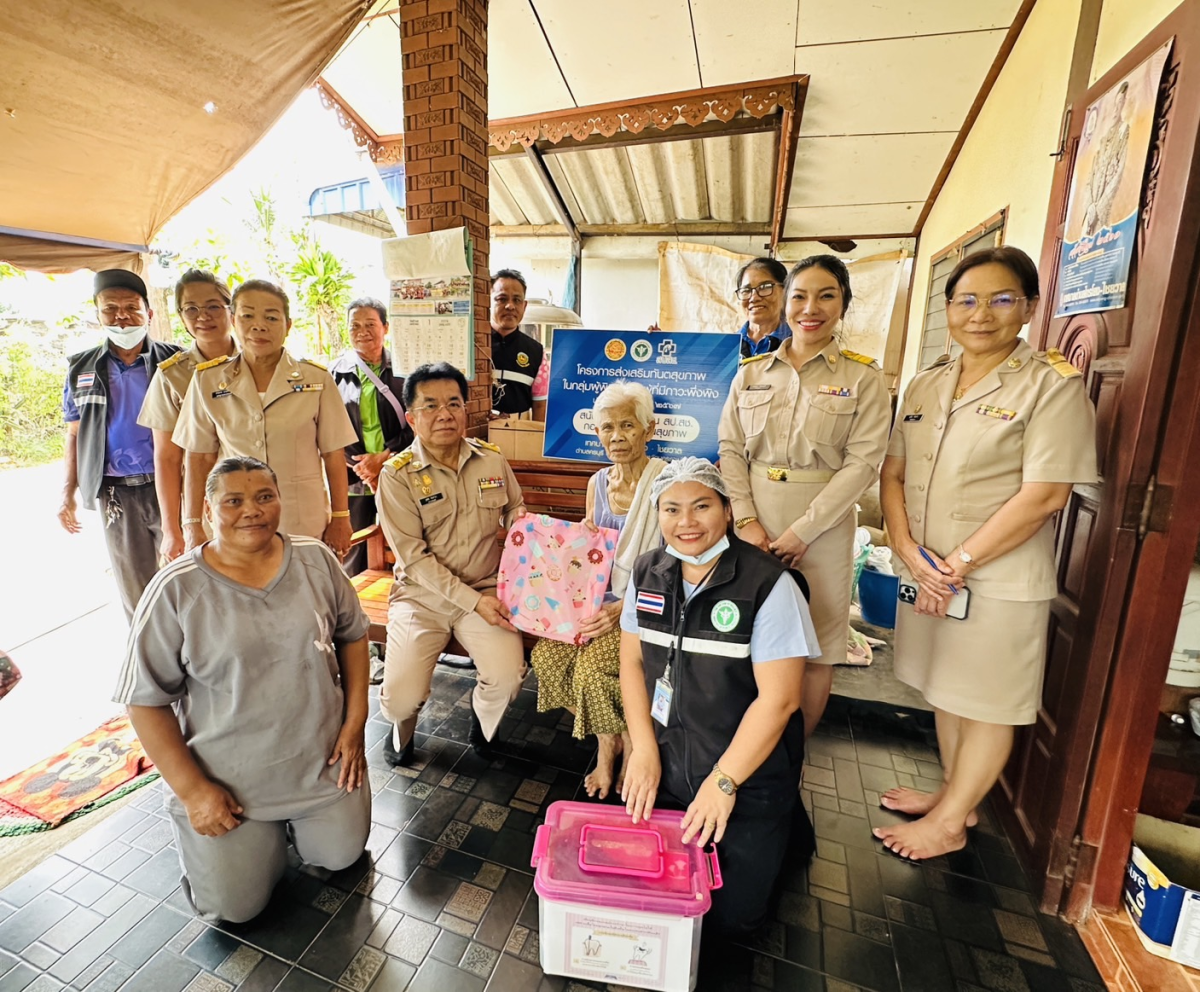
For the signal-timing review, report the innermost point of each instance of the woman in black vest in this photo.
(714, 637)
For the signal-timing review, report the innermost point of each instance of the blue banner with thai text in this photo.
(688, 374)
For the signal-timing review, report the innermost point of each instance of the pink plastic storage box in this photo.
(621, 903)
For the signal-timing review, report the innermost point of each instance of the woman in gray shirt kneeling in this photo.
(246, 680)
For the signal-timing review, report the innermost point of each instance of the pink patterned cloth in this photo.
(553, 574)
(541, 382)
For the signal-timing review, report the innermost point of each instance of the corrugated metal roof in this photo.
(721, 178)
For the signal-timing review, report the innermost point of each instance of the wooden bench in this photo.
(556, 488)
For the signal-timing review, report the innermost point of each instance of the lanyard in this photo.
(380, 388)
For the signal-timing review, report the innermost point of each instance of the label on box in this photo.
(1186, 947)
(615, 950)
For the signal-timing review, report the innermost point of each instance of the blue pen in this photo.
(925, 555)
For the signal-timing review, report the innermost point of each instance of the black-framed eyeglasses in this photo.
(762, 291)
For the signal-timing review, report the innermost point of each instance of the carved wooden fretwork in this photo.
(690, 109)
(1083, 339)
(1158, 140)
(388, 153)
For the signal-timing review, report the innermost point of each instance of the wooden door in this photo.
(1127, 356)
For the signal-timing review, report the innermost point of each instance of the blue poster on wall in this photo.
(689, 375)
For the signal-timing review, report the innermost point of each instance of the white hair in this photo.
(619, 393)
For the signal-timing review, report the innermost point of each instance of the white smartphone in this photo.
(957, 610)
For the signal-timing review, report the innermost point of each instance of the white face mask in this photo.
(125, 337)
(705, 556)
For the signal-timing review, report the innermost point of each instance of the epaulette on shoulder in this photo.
(480, 443)
(756, 358)
(211, 364)
(401, 460)
(316, 365)
(1058, 361)
(856, 357)
(175, 359)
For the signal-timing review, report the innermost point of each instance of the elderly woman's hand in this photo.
(211, 809)
(350, 749)
(602, 622)
(643, 771)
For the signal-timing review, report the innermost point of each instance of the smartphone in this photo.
(957, 610)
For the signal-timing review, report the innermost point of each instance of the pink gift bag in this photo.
(553, 574)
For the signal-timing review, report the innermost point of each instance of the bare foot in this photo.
(921, 839)
(913, 802)
(599, 781)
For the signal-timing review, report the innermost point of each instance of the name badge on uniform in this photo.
(223, 391)
(85, 379)
(308, 387)
(660, 706)
(912, 418)
(835, 390)
(994, 411)
(432, 499)
(487, 484)
(755, 387)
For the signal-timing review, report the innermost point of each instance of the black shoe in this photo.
(398, 759)
(479, 743)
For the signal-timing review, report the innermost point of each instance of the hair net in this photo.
(689, 469)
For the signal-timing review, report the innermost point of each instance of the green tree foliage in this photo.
(31, 424)
(323, 287)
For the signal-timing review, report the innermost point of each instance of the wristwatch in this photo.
(724, 782)
(965, 556)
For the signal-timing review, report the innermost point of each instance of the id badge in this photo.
(660, 708)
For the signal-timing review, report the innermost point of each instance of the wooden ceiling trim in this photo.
(387, 149)
(785, 162)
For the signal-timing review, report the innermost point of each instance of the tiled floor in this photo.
(445, 903)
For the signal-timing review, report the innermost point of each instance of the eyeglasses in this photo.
(113, 311)
(762, 291)
(998, 302)
(212, 309)
(454, 406)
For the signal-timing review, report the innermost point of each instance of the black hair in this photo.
(431, 372)
(834, 266)
(194, 276)
(364, 302)
(236, 463)
(775, 269)
(264, 286)
(510, 274)
(1013, 259)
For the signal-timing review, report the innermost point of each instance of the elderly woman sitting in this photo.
(587, 680)
(246, 681)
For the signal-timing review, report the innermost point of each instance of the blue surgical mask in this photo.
(705, 556)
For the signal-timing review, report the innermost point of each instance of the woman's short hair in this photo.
(775, 269)
(369, 302)
(237, 463)
(431, 372)
(1013, 259)
(194, 276)
(619, 393)
(264, 286)
(834, 266)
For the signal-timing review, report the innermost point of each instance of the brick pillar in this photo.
(444, 46)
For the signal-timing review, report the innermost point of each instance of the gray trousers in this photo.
(231, 877)
(133, 533)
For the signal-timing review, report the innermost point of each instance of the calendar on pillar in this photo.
(430, 312)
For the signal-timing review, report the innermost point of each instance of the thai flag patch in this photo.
(651, 602)
(85, 379)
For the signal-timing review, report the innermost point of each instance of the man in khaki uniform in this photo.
(441, 503)
(294, 426)
(797, 451)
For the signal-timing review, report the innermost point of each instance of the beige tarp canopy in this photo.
(115, 114)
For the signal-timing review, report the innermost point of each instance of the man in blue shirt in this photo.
(109, 457)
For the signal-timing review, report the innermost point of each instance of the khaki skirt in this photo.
(988, 667)
(827, 564)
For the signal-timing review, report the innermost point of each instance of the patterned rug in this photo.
(102, 766)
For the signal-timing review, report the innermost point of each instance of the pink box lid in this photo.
(594, 854)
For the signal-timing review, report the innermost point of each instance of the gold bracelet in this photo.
(742, 521)
(336, 514)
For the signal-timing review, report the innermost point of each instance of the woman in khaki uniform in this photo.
(986, 450)
(268, 405)
(202, 302)
(801, 438)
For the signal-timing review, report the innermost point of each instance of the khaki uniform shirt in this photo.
(298, 419)
(832, 416)
(1028, 420)
(164, 399)
(442, 523)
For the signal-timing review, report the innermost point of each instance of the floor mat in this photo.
(96, 769)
